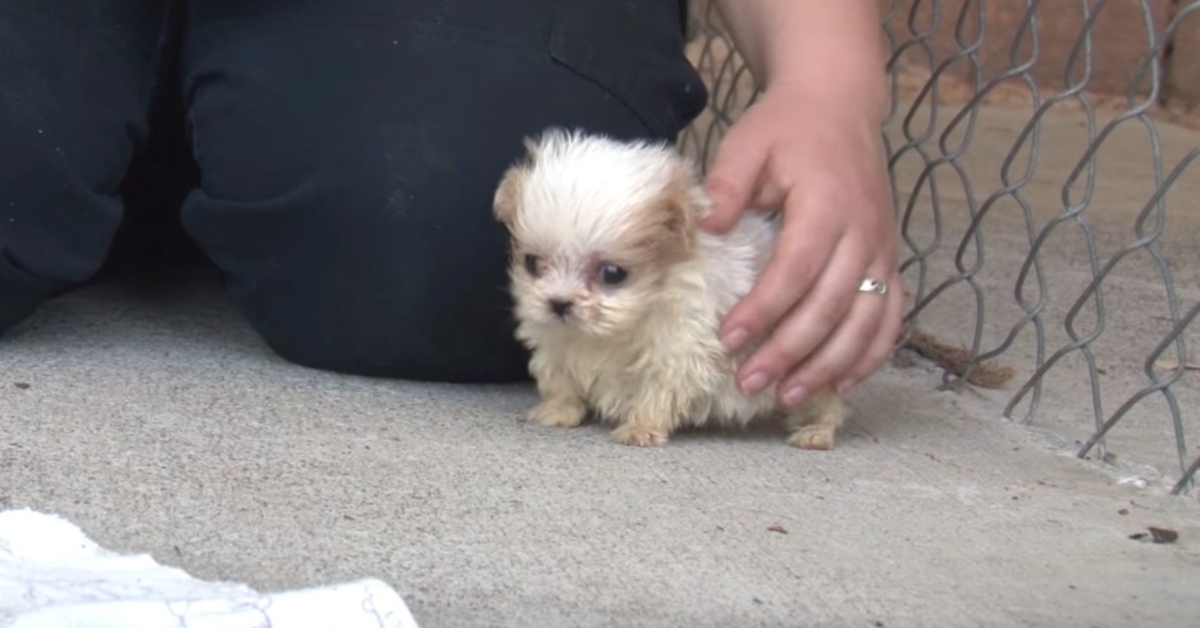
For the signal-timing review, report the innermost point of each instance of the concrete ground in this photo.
(150, 415)
(158, 423)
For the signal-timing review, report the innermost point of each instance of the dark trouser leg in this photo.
(162, 173)
(349, 152)
(76, 80)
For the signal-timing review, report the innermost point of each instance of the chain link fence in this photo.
(1042, 162)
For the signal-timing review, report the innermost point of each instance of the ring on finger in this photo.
(873, 285)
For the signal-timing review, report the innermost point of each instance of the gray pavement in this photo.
(155, 420)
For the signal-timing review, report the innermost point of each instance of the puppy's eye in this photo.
(612, 274)
(532, 264)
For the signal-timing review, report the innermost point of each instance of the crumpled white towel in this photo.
(52, 575)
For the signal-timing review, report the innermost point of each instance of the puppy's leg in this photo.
(559, 410)
(560, 404)
(642, 431)
(815, 423)
(650, 420)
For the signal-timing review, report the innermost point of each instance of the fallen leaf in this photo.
(1157, 535)
(22, 385)
(777, 528)
(1162, 535)
(954, 360)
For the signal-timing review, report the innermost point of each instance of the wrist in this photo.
(856, 98)
(840, 77)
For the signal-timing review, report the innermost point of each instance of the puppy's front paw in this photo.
(814, 437)
(639, 436)
(558, 412)
(814, 425)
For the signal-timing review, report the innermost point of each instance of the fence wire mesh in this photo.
(1041, 157)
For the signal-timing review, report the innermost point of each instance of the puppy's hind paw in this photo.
(813, 437)
(558, 413)
(638, 436)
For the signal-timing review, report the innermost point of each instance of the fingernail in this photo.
(735, 339)
(794, 395)
(754, 383)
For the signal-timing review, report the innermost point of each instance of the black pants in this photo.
(334, 159)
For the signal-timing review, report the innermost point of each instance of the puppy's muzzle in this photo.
(560, 307)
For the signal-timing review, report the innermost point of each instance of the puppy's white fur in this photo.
(642, 352)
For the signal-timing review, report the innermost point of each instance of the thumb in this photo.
(731, 182)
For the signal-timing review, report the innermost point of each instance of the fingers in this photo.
(884, 341)
(865, 332)
(809, 324)
(838, 353)
(733, 179)
(799, 259)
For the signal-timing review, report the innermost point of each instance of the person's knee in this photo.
(16, 304)
(426, 335)
(368, 306)
(75, 102)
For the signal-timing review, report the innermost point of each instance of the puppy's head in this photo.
(597, 225)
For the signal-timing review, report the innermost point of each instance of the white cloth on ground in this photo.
(52, 575)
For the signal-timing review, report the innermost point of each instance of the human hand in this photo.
(824, 166)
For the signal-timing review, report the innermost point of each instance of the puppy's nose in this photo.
(560, 307)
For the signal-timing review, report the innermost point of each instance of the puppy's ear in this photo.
(682, 208)
(504, 201)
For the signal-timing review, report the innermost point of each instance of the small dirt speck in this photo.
(1123, 511)
(777, 528)
(22, 385)
(757, 601)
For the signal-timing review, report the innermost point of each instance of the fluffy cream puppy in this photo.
(619, 295)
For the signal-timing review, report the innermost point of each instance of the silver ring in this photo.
(872, 285)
